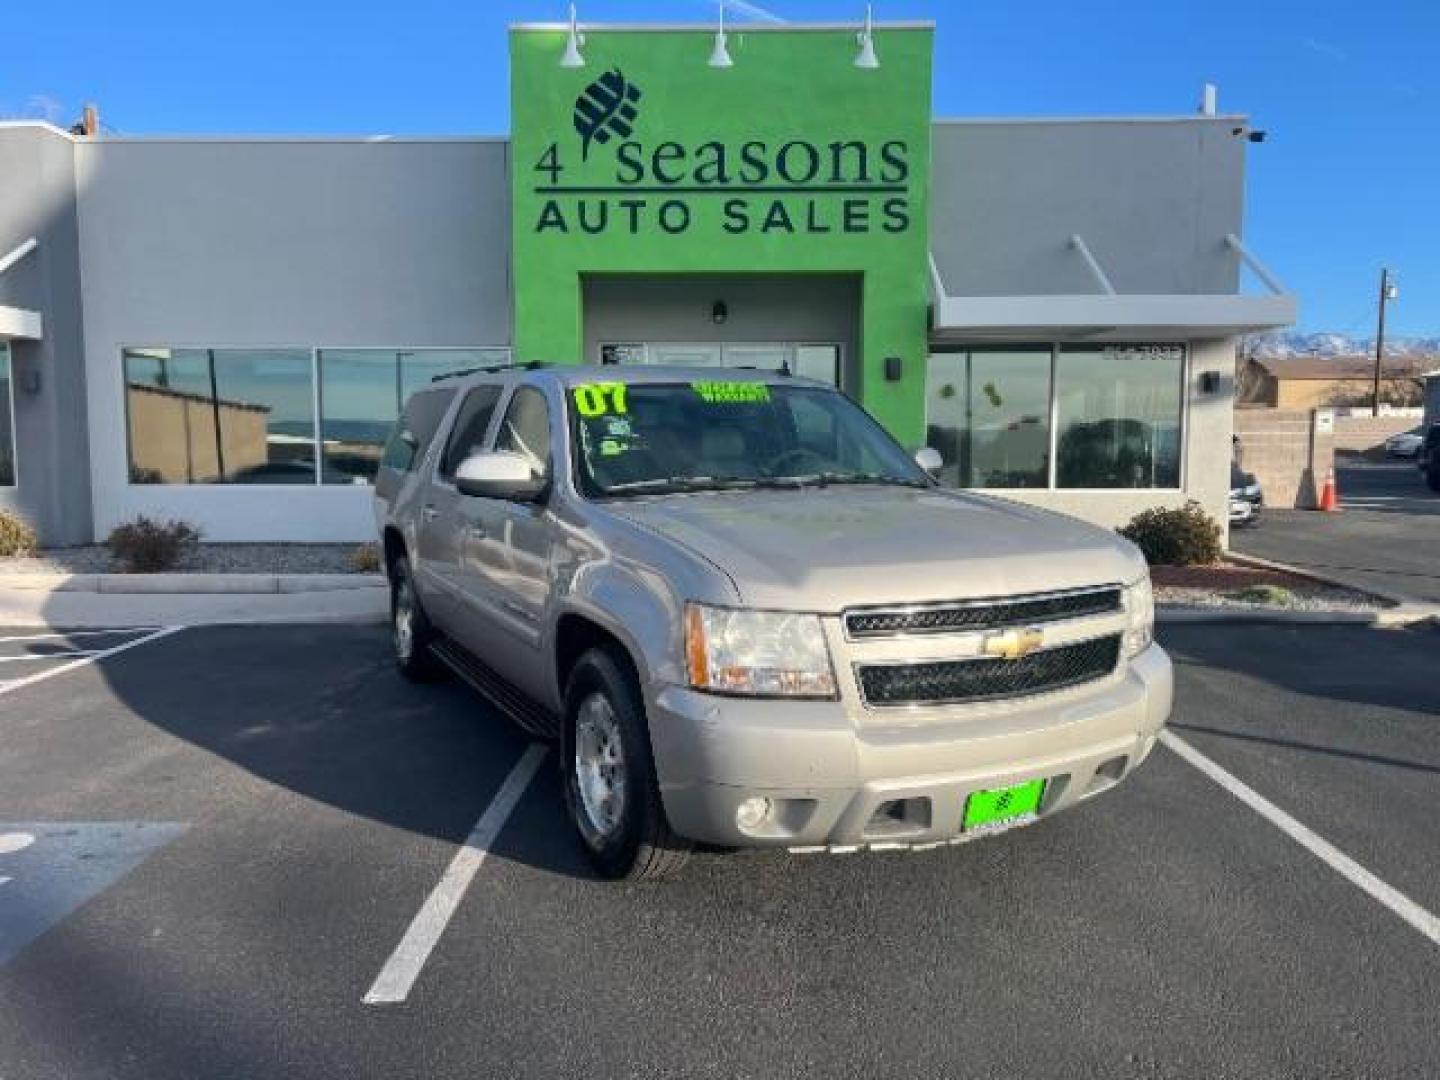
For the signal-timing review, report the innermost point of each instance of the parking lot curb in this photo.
(188, 584)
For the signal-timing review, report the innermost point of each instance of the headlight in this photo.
(762, 653)
(1140, 616)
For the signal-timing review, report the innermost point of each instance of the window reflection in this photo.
(988, 414)
(7, 413)
(362, 392)
(1118, 410)
(208, 416)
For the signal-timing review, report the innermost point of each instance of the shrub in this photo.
(16, 535)
(1274, 595)
(365, 559)
(1167, 537)
(144, 546)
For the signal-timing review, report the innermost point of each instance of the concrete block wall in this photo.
(1287, 454)
(1361, 433)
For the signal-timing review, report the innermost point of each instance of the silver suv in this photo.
(750, 619)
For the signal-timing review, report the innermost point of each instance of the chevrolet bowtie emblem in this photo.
(1013, 644)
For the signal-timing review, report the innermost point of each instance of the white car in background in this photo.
(1405, 444)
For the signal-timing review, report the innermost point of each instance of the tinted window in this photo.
(468, 436)
(1118, 409)
(416, 427)
(217, 416)
(361, 392)
(526, 429)
(988, 414)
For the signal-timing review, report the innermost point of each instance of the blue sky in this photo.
(1348, 92)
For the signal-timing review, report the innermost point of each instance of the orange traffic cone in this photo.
(1329, 494)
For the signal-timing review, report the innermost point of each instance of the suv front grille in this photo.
(949, 682)
(981, 614)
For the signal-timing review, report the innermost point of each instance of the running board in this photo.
(525, 711)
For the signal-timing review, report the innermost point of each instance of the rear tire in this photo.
(608, 773)
(1432, 477)
(411, 632)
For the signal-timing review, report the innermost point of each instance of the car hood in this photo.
(826, 549)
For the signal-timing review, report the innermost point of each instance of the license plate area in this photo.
(998, 808)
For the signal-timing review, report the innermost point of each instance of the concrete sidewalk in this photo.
(104, 600)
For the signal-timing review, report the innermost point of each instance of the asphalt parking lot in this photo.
(1387, 534)
(212, 842)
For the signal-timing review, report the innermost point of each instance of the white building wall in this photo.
(235, 243)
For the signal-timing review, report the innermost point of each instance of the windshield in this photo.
(655, 438)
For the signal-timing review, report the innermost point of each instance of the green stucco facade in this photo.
(648, 161)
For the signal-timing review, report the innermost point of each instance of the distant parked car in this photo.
(1246, 497)
(1404, 444)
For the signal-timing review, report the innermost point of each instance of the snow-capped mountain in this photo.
(1281, 344)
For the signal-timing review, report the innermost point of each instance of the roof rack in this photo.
(489, 369)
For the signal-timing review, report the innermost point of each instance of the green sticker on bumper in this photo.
(1003, 804)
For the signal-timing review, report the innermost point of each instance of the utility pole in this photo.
(1388, 291)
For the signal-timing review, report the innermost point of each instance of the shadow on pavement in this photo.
(1314, 748)
(1366, 666)
(321, 712)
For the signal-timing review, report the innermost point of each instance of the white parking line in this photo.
(32, 657)
(78, 633)
(398, 975)
(10, 687)
(1417, 916)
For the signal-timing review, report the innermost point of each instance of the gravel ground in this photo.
(1312, 598)
(208, 559)
(1220, 585)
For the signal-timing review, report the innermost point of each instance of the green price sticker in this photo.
(600, 399)
(731, 393)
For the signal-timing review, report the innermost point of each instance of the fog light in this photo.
(754, 812)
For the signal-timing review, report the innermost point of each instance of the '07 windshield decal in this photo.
(600, 399)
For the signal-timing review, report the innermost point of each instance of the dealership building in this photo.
(222, 329)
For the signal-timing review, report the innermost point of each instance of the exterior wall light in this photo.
(572, 57)
(719, 312)
(720, 55)
(866, 58)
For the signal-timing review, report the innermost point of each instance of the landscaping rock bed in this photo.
(207, 559)
(1230, 585)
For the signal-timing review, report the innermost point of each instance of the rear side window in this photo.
(468, 435)
(416, 427)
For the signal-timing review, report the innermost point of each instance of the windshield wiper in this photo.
(679, 484)
(825, 479)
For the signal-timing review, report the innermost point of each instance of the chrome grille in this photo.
(949, 682)
(988, 614)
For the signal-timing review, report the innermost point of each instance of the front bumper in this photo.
(836, 782)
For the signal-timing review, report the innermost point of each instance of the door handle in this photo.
(476, 532)
(428, 513)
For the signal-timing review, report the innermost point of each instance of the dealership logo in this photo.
(604, 109)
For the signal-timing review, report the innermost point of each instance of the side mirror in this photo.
(499, 474)
(929, 459)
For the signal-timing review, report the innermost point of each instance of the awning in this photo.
(1110, 316)
(18, 322)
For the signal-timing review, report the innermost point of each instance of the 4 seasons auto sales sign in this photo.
(647, 160)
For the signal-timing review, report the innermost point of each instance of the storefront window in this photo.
(220, 416)
(362, 392)
(1118, 414)
(7, 417)
(988, 415)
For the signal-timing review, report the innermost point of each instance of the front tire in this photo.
(611, 790)
(411, 632)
